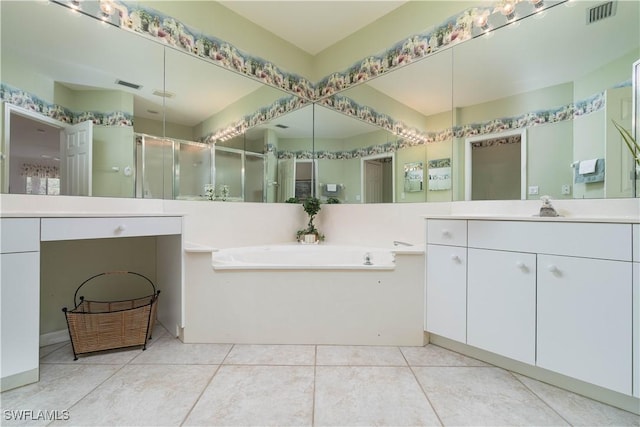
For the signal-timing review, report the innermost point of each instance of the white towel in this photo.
(332, 187)
(587, 166)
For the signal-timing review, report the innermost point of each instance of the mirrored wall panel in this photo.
(74, 70)
(518, 112)
(534, 105)
(413, 105)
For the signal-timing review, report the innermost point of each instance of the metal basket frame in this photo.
(107, 325)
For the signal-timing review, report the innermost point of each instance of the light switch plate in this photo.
(533, 190)
(566, 189)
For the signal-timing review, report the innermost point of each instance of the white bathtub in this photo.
(304, 257)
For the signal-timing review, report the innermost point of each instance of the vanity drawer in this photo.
(447, 232)
(100, 228)
(19, 235)
(589, 240)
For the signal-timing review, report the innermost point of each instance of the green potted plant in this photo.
(310, 234)
(632, 145)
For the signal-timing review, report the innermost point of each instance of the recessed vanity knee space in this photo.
(26, 244)
(557, 295)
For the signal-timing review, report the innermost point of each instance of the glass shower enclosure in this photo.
(178, 169)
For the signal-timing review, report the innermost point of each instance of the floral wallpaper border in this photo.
(513, 139)
(349, 107)
(23, 99)
(39, 170)
(276, 109)
(166, 29)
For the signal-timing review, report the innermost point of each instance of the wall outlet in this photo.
(533, 190)
(566, 189)
(357, 197)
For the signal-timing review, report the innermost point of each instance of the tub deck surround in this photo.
(304, 306)
(304, 257)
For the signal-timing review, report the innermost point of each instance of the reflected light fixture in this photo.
(106, 7)
(537, 3)
(508, 9)
(482, 20)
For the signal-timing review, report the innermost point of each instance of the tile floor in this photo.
(173, 384)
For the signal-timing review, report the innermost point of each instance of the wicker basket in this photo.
(107, 325)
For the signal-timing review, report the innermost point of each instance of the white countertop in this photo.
(76, 214)
(617, 220)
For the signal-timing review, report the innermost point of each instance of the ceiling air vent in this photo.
(282, 126)
(600, 12)
(128, 84)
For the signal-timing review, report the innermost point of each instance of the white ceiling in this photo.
(313, 25)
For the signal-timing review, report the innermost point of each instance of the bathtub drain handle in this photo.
(367, 259)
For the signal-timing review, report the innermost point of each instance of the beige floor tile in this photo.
(344, 355)
(60, 387)
(432, 355)
(370, 395)
(242, 354)
(256, 395)
(48, 349)
(169, 350)
(143, 395)
(579, 410)
(483, 396)
(110, 357)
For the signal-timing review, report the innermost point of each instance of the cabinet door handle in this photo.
(121, 228)
(455, 258)
(522, 266)
(553, 269)
(446, 233)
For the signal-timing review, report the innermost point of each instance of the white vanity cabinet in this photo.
(19, 301)
(501, 305)
(585, 319)
(446, 295)
(557, 294)
(20, 274)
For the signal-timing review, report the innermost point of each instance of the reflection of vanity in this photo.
(555, 294)
(22, 236)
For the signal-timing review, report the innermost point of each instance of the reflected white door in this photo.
(76, 143)
(287, 179)
(373, 182)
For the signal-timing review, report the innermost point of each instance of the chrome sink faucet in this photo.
(398, 243)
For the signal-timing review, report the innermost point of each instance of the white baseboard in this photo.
(54, 337)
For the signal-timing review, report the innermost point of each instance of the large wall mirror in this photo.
(535, 101)
(530, 105)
